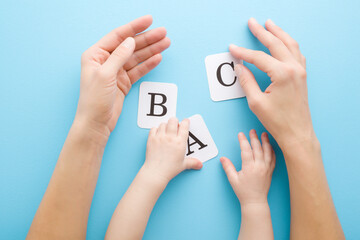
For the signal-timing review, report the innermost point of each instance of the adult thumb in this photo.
(193, 163)
(248, 84)
(120, 55)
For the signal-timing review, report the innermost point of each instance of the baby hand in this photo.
(251, 184)
(166, 148)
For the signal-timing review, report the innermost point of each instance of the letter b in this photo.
(160, 104)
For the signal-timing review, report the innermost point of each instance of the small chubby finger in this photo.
(193, 163)
(229, 169)
(172, 126)
(246, 152)
(152, 132)
(161, 129)
(256, 146)
(184, 126)
(267, 148)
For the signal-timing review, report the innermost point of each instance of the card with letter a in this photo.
(157, 103)
(223, 82)
(200, 144)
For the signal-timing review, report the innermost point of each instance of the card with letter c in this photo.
(157, 103)
(223, 82)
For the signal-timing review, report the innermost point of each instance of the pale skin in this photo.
(165, 153)
(251, 185)
(108, 70)
(284, 111)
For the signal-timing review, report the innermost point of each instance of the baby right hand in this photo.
(251, 184)
(166, 148)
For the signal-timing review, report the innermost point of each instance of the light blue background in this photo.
(40, 47)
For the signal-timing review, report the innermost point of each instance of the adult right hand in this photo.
(283, 108)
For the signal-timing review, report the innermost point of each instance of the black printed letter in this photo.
(152, 105)
(196, 140)
(218, 74)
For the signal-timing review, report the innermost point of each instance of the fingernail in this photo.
(129, 43)
(270, 22)
(266, 135)
(238, 70)
(252, 20)
(232, 45)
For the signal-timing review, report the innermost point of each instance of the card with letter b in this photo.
(157, 103)
(223, 82)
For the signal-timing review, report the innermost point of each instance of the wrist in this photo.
(255, 208)
(302, 149)
(152, 178)
(90, 132)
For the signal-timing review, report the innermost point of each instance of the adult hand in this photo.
(283, 108)
(284, 111)
(112, 65)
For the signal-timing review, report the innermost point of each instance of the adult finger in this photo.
(260, 59)
(119, 56)
(149, 37)
(229, 169)
(110, 41)
(142, 69)
(289, 42)
(147, 52)
(172, 126)
(249, 85)
(276, 47)
(193, 163)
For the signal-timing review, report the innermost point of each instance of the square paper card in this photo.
(223, 82)
(157, 103)
(200, 144)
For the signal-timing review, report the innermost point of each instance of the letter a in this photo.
(196, 141)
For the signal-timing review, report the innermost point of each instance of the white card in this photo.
(157, 103)
(200, 144)
(223, 82)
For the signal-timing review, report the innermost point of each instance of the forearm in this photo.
(256, 222)
(64, 209)
(133, 211)
(313, 214)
